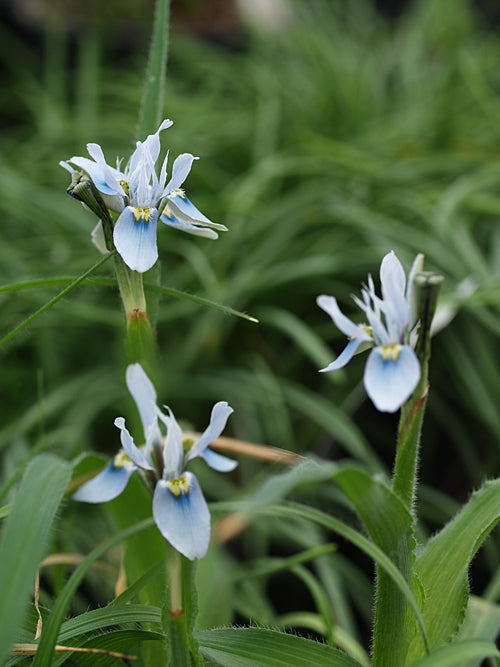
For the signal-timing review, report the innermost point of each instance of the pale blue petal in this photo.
(393, 285)
(98, 239)
(329, 305)
(185, 520)
(66, 166)
(152, 142)
(218, 419)
(217, 461)
(136, 241)
(143, 393)
(133, 452)
(344, 357)
(188, 227)
(180, 170)
(105, 486)
(390, 383)
(183, 209)
(96, 174)
(173, 452)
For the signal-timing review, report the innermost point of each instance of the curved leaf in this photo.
(260, 647)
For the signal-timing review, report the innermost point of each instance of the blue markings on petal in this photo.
(189, 228)
(185, 210)
(105, 486)
(344, 357)
(390, 382)
(135, 240)
(183, 519)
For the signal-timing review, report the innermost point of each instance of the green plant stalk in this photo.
(410, 427)
(179, 611)
(140, 339)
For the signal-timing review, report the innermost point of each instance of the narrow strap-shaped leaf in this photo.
(25, 538)
(154, 87)
(260, 647)
(52, 626)
(54, 300)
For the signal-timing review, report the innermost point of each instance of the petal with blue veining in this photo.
(388, 382)
(135, 240)
(183, 520)
(105, 486)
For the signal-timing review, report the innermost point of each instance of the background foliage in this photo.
(323, 144)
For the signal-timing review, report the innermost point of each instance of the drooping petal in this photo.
(143, 393)
(136, 241)
(152, 142)
(133, 452)
(173, 452)
(187, 227)
(105, 486)
(329, 305)
(217, 461)
(390, 383)
(218, 419)
(180, 170)
(96, 173)
(183, 520)
(185, 210)
(344, 357)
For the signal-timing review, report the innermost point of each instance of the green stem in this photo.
(140, 339)
(407, 454)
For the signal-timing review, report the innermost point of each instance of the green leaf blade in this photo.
(26, 536)
(260, 647)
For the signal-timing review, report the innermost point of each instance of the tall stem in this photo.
(140, 339)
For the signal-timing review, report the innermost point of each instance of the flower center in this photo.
(142, 214)
(390, 352)
(178, 486)
(122, 460)
(125, 185)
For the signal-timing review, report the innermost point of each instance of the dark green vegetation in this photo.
(322, 147)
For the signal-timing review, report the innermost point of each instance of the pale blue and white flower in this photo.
(179, 507)
(140, 197)
(392, 370)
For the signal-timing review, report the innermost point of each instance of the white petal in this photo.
(180, 170)
(184, 520)
(218, 419)
(344, 357)
(105, 486)
(133, 452)
(136, 241)
(390, 383)
(329, 305)
(143, 393)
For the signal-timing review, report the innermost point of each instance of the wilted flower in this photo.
(179, 508)
(140, 196)
(392, 370)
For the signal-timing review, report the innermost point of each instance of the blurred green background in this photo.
(329, 133)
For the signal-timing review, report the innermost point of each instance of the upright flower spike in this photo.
(392, 370)
(179, 508)
(140, 197)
